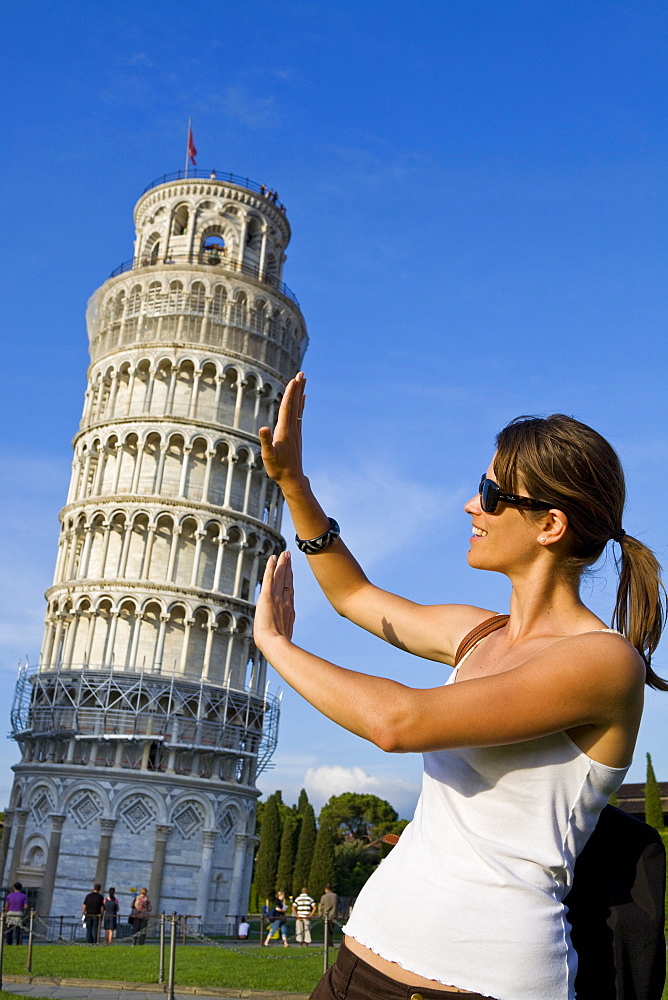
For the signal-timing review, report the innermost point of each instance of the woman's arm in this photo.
(572, 682)
(433, 632)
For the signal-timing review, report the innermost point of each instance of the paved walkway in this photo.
(82, 989)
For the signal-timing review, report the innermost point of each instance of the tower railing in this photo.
(211, 258)
(215, 175)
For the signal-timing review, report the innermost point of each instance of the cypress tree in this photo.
(286, 858)
(303, 802)
(653, 807)
(323, 866)
(305, 845)
(266, 861)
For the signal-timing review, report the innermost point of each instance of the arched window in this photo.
(238, 309)
(180, 224)
(213, 248)
(219, 301)
(197, 299)
(175, 298)
(153, 298)
(134, 301)
(257, 316)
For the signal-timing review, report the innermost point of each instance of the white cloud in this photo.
(332, 779)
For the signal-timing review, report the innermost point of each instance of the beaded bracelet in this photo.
(311, 546)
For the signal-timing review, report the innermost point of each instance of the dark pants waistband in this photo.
(351, 978)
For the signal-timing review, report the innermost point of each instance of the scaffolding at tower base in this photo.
(98, 703)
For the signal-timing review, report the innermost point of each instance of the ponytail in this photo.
(640, 608)
(560, 460)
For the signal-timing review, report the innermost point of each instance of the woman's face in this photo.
(504, 541)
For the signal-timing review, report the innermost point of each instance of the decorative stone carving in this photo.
(137, 813)
(86, 809)
(189, 819)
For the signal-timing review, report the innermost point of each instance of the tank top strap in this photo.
(476, 634)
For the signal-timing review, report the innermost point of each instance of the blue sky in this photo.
(477, 195)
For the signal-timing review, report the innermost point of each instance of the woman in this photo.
(139, 916)
(110, 918)
(523, 745)
(279, 921)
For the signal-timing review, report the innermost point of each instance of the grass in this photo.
(295, 971)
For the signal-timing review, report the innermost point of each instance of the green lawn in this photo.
(253, 968)
(275, 968)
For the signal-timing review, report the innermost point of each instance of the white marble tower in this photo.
(145, 723)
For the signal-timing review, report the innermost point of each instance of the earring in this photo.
(542, 539)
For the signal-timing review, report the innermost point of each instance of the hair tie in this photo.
(617, 536)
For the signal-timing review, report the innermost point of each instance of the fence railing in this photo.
(215, 175)
(169, 930)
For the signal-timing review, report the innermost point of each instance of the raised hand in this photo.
(282, 449)
(275, 609)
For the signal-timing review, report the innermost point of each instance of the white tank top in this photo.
(472, 895)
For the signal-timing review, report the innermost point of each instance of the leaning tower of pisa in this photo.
(144, 724)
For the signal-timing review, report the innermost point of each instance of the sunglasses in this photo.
(491, 496)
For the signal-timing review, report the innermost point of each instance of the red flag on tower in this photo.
(192, 152)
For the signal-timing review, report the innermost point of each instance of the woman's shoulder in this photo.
(610, 651)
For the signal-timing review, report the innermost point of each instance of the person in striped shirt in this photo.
(303, 908)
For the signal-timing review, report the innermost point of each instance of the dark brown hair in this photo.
(569, 465)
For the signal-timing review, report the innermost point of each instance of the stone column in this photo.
(211, 629)
(131, 380)
(6, 837)
(107, 829)
(150, 538)
(20, 819)
(155, 883)
(241, 385)
(134, 486)
(85, 554)
(231, 460)
(204, 886)
(234, 908)
(176, 532)
(160, 644)
(199, 536)
(49, 879)
(193, 395)
(219, 562)
(237, 575)
(184, 470)
(187, 626)
(210, 455)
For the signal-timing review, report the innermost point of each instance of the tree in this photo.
(302, 802)
(354, 864)
(653, 806)
(364, 818)
(266, 861)
(305, 845)
(286, 858)
(323, 866)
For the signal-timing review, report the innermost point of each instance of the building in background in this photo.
(144, 724)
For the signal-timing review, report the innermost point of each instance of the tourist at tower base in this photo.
(523, 745)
